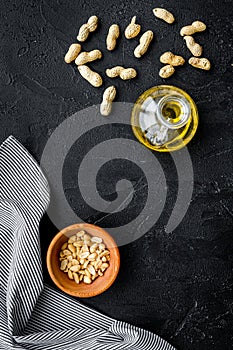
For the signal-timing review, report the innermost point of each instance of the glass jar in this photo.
(164, 118)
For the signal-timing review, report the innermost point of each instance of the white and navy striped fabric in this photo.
(32, 314)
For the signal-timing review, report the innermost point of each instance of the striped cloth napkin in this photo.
(32, 314)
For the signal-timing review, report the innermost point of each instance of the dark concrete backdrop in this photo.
(178, 285)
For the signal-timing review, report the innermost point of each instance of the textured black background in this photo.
(178, 285)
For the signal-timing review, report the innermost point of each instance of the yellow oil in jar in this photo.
(164, 118)
(172, 111)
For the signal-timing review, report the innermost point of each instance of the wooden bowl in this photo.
(82, 290)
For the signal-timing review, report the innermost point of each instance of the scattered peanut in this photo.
(91, 270)
(85, 264)
(128, 73)
(76, 277)
(71, 248)
(92, 77)
(80, 234)
(75, 262)
(123, 73)
(92, 257)
(133, 29)
(91, 261)
(93, 247)
(114, 72)
(84, 255)
(87, 28)
(81, 243)
(70, 275)
(85, 57)
(72, 239)
(173, 60)
(75, 268)
(85, 247)
(164, 14)
(87, 273)
(194, 47)
(104, 266)
(105, 109)
(105, 253)
(72, 53)
(195, 27)
(102, 246)
(145, 41)
(113, 35)
(64, 246)
(66, 252)
(64, 264)
(166, 71)
(201, 63)
(87, 280)
(96, 239)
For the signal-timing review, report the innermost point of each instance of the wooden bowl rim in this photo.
(113, 248)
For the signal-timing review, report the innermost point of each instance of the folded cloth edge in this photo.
(120, 334)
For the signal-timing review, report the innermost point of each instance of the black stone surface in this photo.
(177, 285)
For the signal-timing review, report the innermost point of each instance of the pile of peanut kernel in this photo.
(169, 59)
(84, 258)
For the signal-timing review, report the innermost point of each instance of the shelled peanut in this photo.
(201, 63)
(108, 98)
(86, 57)
(144, 44)
(123, 73)
(174, 60)
(87, 28)
(92, 77)
(164, 15)
(166, 71)
(194, 47)
(132, 29)
(170, 60)
(195, 27)
(72, 53)
(84, 257)
(113, 35)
